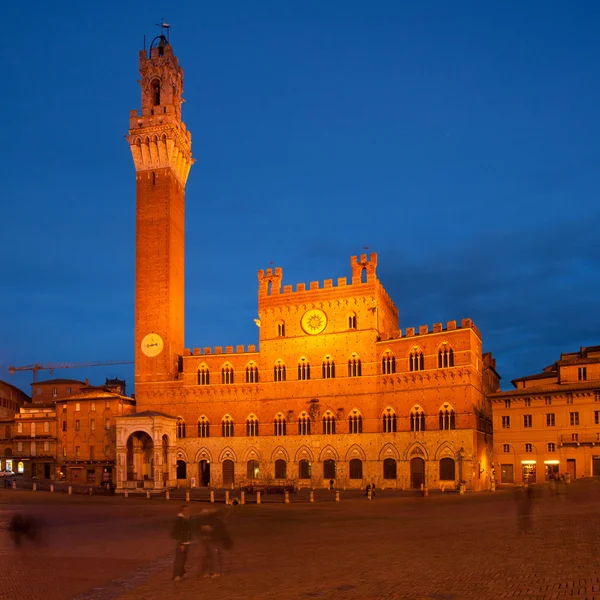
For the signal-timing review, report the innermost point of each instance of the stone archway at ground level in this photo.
(140, 459)
(145, 455)
(204, 473)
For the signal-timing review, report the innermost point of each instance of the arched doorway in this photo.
(417, 473)
(181, 469)
(140, 457)
(165, 458)
(329, 469)
(204, 473)
(228, 473)
(280, 469)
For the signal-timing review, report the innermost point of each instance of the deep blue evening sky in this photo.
(457, 140)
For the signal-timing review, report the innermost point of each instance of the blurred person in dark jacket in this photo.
(215, 539)
(182, 534)
(23, 527)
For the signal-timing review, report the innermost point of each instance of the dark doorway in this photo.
(447, 469)
(204, 472)
(34, 470)
(228, 473)
(571, 468)
(304, 469)
(280, 469)
(329, 469)
(46, 470)
(389, 468)
(507, 473)
(181, 469)
(596, 466)
(356, 471)
(417, 473)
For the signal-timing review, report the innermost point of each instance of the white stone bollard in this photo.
(212, 496)
(337, 495)
(242, 497)
(14, 485)
(148, 494)
(51, 487)
(369, 494)
(34, 487)
(257, 497)
(311, 496)
(187, 495)
(70, 490)
(91, 491)
(126, 494)
(425, 492)
(286, 498)
(226, 496)
(167, 495)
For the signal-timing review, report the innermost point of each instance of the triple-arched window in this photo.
(252, 426)
(227, 374)
(303, 424)
(416, 361)
(203, 375)
(355, 422)
(328, 423)
(328, 368)
(417, 419)
(388, 363)
(279, 425)
(354, 366)
(389, 421)
(279, 371)
(251, 373)
(445, 357)
(203, 427)
(227, 426)
(303, 369)
(447, 418)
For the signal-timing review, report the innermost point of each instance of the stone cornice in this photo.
(160, 146)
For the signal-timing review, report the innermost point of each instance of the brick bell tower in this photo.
(161, 149)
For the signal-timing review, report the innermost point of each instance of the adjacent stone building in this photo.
(550, 422)
(335, 391)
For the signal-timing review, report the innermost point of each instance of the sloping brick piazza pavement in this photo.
(397, 546)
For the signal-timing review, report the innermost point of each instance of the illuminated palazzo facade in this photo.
(333, 391)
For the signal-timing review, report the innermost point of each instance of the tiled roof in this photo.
(50, 381)
(92, 392)
(147, 413)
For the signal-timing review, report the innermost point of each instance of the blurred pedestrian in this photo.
(552, 483)
(524, 510)
(182, 534)
(23, 527)
(215, 541)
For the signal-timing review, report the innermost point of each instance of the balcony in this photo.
(583, 439)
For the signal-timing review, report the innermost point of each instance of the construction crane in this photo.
(50, 367)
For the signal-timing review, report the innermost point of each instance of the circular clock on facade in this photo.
(314, 321)
(152, 345)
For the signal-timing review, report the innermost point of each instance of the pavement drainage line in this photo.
(117, 587)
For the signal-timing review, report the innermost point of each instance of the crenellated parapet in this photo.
(206, 351)
(422, 330)
(363, 272)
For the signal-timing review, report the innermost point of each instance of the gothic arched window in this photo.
(303, 369)
(328, 368)
(251, 373)
(279, 371)
(389, 421)
(416, 361)
(445, 358)
(417, 419)
(388, 363)
(354, 366)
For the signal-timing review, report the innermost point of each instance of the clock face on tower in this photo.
(152, 345)
(314, 321)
